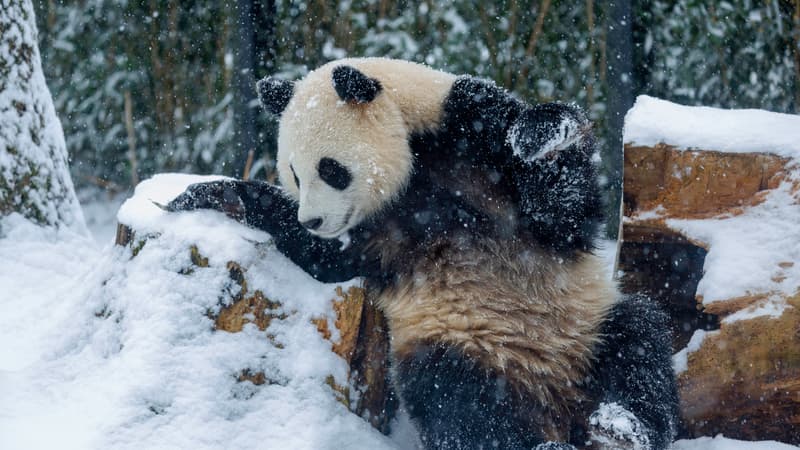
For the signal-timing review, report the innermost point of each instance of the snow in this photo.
(618, 424)
(522, 139)
(100, 211)
(772, 307)
(721, 443)
(680, 360)
(754, 253)
(652, 121)
(111, 351)
(107, 350)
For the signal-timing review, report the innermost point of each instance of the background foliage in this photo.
(187, 66)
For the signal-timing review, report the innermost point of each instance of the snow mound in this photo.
(722, 443)
(652, 121)
(111, 350)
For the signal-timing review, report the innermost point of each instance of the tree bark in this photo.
(245, 82)
(255, 58)
(619, 43)
(34, 172)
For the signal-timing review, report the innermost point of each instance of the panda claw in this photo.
(159, 205)
(219, 196)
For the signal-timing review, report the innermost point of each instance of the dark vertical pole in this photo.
(266, 45)
(244, 92)
(620, 98)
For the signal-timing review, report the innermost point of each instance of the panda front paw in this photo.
(545, 130)
(614, 427)
(217, 195)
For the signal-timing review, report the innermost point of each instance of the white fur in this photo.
(370, 140)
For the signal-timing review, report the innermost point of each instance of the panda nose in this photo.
(312, 224)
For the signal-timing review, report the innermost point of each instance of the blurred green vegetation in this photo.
(179, 62)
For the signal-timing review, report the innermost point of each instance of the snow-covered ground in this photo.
(100, 350)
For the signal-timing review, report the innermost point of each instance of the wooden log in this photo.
(744, 380)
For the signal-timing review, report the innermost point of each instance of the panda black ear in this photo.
(353, 86)
(274, 93)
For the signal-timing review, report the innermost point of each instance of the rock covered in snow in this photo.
(34, 174)
(196, 334)
(356, 329)
(711, 229)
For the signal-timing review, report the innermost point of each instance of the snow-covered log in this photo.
(34, 175)
(711, 228)
(299, 343)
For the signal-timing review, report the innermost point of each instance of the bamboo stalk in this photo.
(51, 16)
(603, 56)
(382, 8)
(512, 37)
(131, 139)
(109, 186)
(532, 41)
(490, 40)
(248, 165)
(592, 72)
(723, 68)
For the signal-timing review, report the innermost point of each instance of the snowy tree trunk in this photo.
(34, 174)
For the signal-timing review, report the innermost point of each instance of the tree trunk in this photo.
(34, 172)
(245, 82)
(620, 98)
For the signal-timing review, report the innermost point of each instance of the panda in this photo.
(472, 216)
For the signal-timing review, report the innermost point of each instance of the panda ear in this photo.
(274, 93)
(353, 86)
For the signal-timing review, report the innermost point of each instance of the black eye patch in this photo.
(294, 174)
(336, 175)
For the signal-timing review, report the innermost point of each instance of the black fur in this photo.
(354, 86)
(464, 406)
(558, 195)
(634, 367)
(456, 402)
(274, 94)
(334, 174)
(264, 206)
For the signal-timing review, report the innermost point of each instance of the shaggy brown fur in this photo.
(531, 316)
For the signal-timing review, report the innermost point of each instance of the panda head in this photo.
(343, 151)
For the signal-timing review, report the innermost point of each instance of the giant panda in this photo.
(472, 216)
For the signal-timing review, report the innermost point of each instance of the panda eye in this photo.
(336, 175)
(294, 174)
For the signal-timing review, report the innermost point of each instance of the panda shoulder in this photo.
(469, 95)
